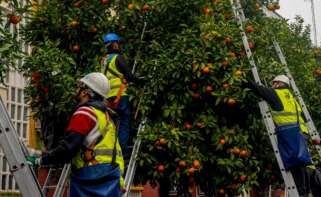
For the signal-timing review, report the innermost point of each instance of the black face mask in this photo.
(81, 86)
(77, 96)
(112, 49)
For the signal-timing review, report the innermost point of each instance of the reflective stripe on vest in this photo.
(106, 152)
(103, 150)
(288, 116)
(114, 76)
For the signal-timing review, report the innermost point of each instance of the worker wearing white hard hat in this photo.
(90, 143)
(289, 127)
(282, 78)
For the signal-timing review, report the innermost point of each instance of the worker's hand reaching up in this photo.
(33, 160)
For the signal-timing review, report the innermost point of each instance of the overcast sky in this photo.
(291, 8)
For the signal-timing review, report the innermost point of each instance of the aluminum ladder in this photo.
(60, 187)
(265, 112)
(130, 173)
(15, 153)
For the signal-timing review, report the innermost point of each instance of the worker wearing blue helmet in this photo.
(111, 37)
(114, 65)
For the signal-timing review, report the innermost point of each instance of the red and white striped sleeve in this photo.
(82, 121)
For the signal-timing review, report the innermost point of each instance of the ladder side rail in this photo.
(25, 152)
(26, 180)
(62, 181)
(134, 152)
(132, 163)
(131, 170)
(141, 39)
(239, 8)
(309, 122)
(15, 156)
(267, 117)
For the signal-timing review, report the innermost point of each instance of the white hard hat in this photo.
(282, 78)
(97, 82)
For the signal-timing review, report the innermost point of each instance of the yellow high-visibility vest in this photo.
(103, 150)
(114, 76)
(289, 113)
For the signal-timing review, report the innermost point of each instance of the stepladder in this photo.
(15, 152)
(56, 182)
(130, 173)
(290, 186)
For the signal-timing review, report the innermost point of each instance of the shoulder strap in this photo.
(113, 160)
(106, 66)
(297, 111)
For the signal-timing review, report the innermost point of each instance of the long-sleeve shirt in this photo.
(122, 66)
(267, 94)
(80, 124)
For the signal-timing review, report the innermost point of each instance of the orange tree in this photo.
(203, 126)
(198, 110)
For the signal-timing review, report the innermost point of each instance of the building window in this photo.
(19, 113)
(3, 182)
(25, 114)
(19, 95)
(13, 111)
(10, 182)
(13, 94)
(24, 130)
(4, 164)
(18, 127)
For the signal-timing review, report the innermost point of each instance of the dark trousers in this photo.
(307, 179)
(302, 180)
(315, 182)
(123, 112)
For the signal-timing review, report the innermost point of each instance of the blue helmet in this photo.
(111, 37)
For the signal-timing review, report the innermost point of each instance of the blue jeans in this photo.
(123, 112)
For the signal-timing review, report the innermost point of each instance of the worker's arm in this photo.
(67, 148)
(267, 94)
(80, 124)
(123, 67)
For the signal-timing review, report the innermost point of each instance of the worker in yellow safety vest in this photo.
(114, 66)
(286, 114)
(90, 143)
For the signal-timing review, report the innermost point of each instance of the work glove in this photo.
(33, 160)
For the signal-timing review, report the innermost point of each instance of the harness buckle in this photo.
(89, 156)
